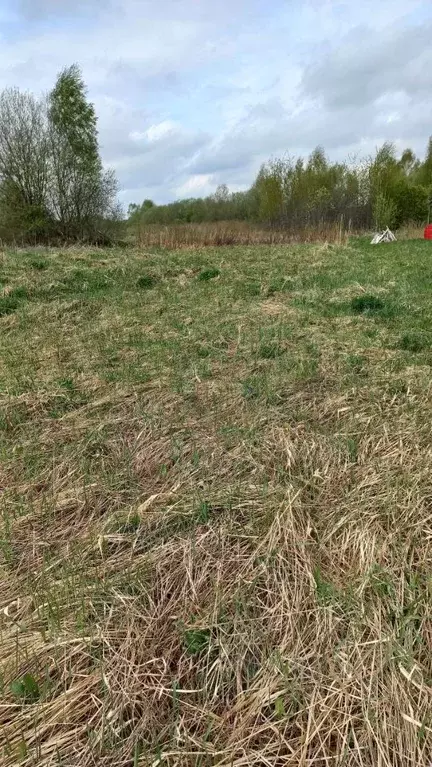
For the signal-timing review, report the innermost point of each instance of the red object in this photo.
(428, 232)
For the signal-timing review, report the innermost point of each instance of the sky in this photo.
(194, 93)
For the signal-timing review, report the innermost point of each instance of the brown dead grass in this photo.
(411, 232)
(298, 667)
(221, 233)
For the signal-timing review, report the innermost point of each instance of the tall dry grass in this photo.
(411, 232)
(176, 236)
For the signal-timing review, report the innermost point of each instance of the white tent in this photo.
(386, 236)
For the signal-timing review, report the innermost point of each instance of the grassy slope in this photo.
(216, 508)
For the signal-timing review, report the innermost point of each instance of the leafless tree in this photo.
(24, 145)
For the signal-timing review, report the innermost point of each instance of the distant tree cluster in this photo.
(52, 183)
(381, 191)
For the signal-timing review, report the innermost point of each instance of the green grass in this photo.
(208, 274)
(215, 540)
(367, 305)
(146, 282)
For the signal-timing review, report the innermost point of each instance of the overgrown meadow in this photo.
(216, 506)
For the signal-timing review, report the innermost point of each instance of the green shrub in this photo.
(385, 212)
(412, 202)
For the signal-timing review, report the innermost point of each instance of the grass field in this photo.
(216, 507)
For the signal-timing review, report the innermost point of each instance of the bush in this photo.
(411, 201)
(385, 212)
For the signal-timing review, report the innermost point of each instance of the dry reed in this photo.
(175, 236)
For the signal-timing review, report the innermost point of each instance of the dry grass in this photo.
(216, 542)
(233, 233)
(411, 232)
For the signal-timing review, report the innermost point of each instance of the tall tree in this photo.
(74, 118)
(424, 172)
(23, 163)
(81, 193)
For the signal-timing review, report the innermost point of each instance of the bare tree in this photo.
(23, 144)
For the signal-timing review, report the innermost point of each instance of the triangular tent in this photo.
(386, 236)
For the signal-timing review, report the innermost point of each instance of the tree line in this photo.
(52, 183)
(379, 191)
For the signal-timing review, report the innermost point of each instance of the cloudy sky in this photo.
(193, 93)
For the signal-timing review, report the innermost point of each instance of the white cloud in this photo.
(160, 131)
(398, 59)
(198, 185)
(193, 93)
